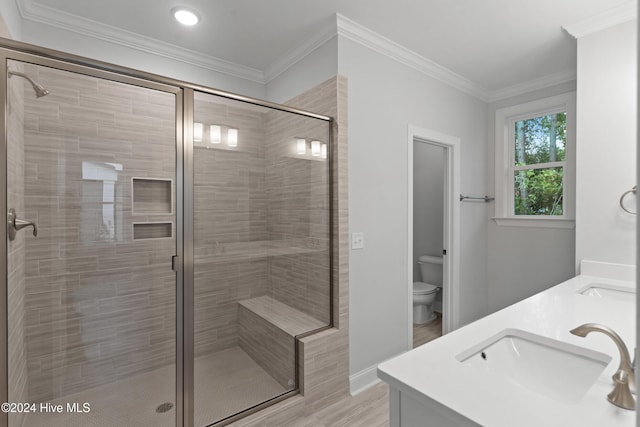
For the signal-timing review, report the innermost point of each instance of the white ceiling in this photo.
(493, 43)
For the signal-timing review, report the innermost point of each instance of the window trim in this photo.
(504, 190)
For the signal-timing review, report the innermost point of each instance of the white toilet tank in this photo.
(431, 269)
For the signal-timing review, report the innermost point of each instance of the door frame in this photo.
(16, 51)
(451, 261)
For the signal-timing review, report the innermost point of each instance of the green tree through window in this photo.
(539, 157)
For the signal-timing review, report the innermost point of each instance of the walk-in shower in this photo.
(183, 246)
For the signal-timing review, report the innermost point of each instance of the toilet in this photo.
(425, 291)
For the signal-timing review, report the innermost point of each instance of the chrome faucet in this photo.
(624, 379)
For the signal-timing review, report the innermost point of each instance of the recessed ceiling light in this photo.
(185, 16)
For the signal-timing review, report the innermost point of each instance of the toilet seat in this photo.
(421, 288)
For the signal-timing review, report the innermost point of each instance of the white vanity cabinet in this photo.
(407, 411)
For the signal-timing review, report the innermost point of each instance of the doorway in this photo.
(433, 184)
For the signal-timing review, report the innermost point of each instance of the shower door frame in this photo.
(183, 261)
(47, 58)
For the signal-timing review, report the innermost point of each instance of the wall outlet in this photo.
(357, 240)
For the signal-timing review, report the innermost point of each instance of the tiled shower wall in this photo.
(252, 202)
(17, 362)
(324, 357)
(298, 214)
(230, 221)
(99, 306)
(323, 360)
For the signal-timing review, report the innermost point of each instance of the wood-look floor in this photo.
(369, 408)
(428, 332)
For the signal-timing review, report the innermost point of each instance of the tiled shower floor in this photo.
(226, 382)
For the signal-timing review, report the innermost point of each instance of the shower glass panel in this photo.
(92, 297)
(261, 250)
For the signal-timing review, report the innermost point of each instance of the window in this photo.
(534, 163)
(538, 154)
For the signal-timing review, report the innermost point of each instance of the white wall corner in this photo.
(624, 12)
(290, 58)
(362, 380)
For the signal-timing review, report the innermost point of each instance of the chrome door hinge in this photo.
(175, 263)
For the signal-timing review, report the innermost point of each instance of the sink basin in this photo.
(516, 360)
(606, 291)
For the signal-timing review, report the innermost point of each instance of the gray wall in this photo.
(523, 261)
(384, 97)
(428, 202)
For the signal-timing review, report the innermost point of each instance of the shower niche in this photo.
(152, 230)
(133, 217)
(152, 197)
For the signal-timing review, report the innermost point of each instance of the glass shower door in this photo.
(261, 251)
(91, 171)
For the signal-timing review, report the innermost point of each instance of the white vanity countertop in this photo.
(432, 373)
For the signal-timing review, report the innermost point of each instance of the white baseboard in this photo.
(364, 379)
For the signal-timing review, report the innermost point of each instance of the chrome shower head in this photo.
(40, 90)
(37, 88)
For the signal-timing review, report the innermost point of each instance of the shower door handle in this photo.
(15, 224)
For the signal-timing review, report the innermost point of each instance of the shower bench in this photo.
(267, 331)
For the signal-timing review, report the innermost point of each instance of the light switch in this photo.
(357, 240)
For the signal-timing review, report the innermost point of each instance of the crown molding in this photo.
(617, 15)
(364, 36)
(374, 41)
(532, 85)
(31, 11)
(341, 25)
